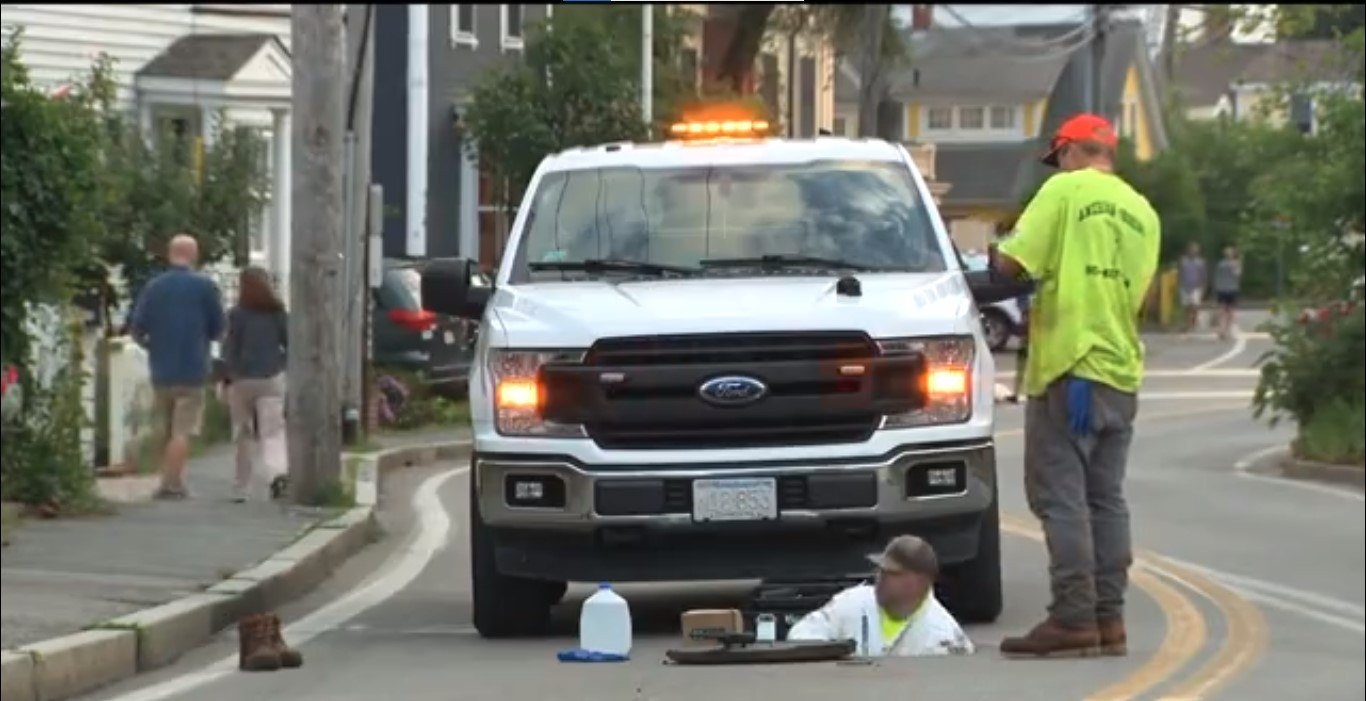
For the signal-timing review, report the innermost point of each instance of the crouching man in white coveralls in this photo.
(897, 614)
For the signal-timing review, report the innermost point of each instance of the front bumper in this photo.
(634, 523)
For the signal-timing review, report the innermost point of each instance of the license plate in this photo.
(450, 338)
(735, 499)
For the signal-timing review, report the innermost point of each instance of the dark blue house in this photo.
(462, 42)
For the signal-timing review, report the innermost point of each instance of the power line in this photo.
(1045, 44)
(1087, 30)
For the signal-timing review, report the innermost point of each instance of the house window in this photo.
(971, 118)
(512, 26)
(462, 25)
(841, 127)
(939, 118)
(1002, 118)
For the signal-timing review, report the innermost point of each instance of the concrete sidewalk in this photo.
(60, 576)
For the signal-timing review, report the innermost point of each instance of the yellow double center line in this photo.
(1186, 632)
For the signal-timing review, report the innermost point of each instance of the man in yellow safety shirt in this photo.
(1090, 243)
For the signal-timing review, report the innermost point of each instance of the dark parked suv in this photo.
(408, 337)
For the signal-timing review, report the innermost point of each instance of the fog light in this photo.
(531, 491)
(941, 477)
(534, 491)
(936, 479)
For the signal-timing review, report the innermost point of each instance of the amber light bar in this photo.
(743, 127)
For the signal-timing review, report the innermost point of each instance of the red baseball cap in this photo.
(1081, 127)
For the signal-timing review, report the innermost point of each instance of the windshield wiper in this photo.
(616, 265)
(781, 262)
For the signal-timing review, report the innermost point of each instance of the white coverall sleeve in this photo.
(819, 625)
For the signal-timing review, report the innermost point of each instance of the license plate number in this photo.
(735, 499)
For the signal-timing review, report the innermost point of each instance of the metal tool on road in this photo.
(740, 648)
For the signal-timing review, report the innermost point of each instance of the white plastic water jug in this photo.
(605, 623)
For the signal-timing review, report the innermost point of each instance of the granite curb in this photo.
(1342, 475)
(71, 665)
(1280, 462)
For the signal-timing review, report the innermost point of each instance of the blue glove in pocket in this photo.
(1079, 405)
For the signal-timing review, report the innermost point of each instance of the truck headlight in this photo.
(946, 383)
(518, 395)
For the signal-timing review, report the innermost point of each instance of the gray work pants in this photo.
(1075, 486)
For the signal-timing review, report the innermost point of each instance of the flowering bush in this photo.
(1317, 376)
(393, 395)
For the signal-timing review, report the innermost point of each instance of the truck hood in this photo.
(575, 314)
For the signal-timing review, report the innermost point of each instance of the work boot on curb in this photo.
(1113, 640)
(1051, 639)
(255, 652)
(289, 657)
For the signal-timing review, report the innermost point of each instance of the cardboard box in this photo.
(700, 625)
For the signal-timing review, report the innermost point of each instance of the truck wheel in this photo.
(555, 591)
(504, 607)
(973, 591)
(996, 327)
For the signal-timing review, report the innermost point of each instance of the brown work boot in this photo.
(1113, 640)
(255, 653)
(289, 657)
(1051, 639)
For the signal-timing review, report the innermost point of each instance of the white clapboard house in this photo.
(177, 67)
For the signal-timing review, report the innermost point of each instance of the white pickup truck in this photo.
(725, 358)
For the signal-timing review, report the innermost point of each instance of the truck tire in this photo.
(504, 607)
(972, 590)
(997, 328)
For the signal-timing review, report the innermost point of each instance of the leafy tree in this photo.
(51, 174)
(576, 87)
(1172, 187)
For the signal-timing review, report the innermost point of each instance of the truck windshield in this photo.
(866, 214)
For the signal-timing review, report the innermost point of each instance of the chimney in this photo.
(922, 17)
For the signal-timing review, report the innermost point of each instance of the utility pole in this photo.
(647, 66)
(314, 406)
(1100, 18)
(872, 26)
(355, 290)
(1170, 36)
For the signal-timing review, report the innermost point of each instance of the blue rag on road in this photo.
(582, 655)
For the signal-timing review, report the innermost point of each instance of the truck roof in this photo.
(673, 154)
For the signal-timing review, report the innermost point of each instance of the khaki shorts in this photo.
(180, 410)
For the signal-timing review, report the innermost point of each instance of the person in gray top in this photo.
(1192, 280)
(1228, 281)
(254, 359)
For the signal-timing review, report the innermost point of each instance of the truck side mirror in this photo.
(446, 289)
(990, 287)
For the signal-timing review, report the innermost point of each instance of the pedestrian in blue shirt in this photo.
(178, 316)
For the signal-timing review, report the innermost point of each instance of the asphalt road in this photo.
(1247, 588)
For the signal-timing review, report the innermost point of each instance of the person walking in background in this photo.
(1193, 280)
(1090, 242)
(254, 357)
(1228, 281)
(178, 315)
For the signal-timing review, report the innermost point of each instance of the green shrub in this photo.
(41, 460)
(1316, 375)
(1335, 434)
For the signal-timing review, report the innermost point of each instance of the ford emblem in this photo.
(732, 390)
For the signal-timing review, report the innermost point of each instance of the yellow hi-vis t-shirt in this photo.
(1091, 243)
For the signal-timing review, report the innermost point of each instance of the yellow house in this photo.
(1225, 79)
(988, 98)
